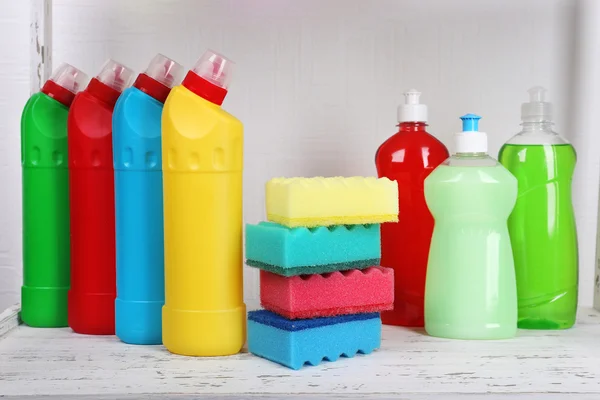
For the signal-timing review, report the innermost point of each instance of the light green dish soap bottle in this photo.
(470, 291)
(542, 225)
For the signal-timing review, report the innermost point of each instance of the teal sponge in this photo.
(294, 251)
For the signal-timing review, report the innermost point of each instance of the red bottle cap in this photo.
(210, 77)
(110, 82)
(160, 76)
(64, 83)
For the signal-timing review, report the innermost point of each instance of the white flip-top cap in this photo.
(470, 140)
(165, 70)
(69, 77)
(537, 110)
(115, 75)
(412, 110)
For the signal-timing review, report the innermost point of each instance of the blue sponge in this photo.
(294, 251)
(295, 342)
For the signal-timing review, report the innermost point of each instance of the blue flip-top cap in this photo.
(470, 122)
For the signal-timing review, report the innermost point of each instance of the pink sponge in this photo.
(324, 295)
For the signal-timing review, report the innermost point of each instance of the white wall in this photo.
(317, 82)
(14, 91)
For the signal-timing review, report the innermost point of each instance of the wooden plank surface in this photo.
(36, 362)
(412, 396)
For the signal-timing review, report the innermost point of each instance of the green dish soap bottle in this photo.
(542, 225)
(470, 291)
(46, 261)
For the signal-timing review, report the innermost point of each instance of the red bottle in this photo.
(91, 194)
(409, 157)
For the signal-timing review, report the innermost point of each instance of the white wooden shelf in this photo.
(543, 364)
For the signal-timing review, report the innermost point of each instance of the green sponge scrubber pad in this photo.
(314, 269)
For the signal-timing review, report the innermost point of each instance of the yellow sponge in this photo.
(331, 201)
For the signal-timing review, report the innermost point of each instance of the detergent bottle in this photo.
(138, 203)
(542, 225)
(204, 312)
(408, 157)
(470, 291)
(46, 265)
(92, 198)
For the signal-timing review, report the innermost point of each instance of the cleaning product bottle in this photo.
(409, 157)
(542, 225)
(204, 312)
(470, 291)
(92, 294)
(46, 199)
(138, 203)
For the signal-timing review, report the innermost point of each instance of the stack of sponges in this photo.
(320, 282)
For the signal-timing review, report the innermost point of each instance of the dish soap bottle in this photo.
(46, 265)
(204, 312)
(408, 157)
(92, 197)
(470, 290)
(542, 225)
(138, 203)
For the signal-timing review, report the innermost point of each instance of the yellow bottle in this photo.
(204, 313)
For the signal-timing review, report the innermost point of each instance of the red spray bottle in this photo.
(409, 157)
(91, 182)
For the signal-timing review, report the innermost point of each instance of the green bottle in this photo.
(46, 267)
(470, 291)
(542, 225)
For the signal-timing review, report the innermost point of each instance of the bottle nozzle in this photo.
(470, 122)
(537, 94)
(64, 83)
(412, 96)
(165, 70)
(412, 110)
(115, 75)
(470, 140)
(537, 109)
(210, 77)
(215, 68)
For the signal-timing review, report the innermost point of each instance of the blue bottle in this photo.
(139, 203)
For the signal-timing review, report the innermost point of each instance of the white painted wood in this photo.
(9, 319)
(35, 362)
(411, 396)
(41, 43)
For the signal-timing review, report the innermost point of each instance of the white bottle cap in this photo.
(537, 110)
(470, 140)
(412, 110)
